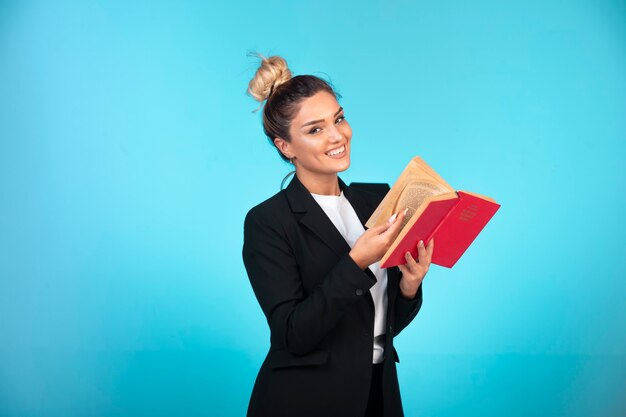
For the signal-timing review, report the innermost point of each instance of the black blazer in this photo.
(319, 309)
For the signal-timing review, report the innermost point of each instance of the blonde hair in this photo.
(272, 73)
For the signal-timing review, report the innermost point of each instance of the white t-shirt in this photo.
(340, 212)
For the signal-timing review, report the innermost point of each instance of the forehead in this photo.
(319, 106)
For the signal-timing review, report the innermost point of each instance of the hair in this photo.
(273, 83)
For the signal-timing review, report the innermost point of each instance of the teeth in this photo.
(336, 151)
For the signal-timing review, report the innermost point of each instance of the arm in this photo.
(406, 309)
(297, 322)
(413, 274)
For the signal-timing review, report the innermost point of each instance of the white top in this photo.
(340, 212)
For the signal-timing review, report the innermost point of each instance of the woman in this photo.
(332, 311)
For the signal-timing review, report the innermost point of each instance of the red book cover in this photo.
(453, 218)
(453, 222)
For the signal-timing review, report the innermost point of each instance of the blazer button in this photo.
(359, 291)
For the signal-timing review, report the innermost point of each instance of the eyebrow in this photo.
(312, 122)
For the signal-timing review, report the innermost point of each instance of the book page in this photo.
(484, 197)
(417, 182)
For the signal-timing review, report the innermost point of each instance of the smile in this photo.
(337, 153)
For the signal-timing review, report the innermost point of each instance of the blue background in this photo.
(129, 156)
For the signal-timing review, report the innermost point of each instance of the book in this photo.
(435, 210)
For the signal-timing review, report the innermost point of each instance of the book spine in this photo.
(434, 232)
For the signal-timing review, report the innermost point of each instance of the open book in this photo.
(436, 210)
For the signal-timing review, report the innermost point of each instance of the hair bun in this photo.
(272, 73)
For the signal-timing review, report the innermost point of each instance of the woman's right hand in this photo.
(373, 243)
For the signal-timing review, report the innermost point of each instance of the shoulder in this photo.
(373, 192)
(377, 188)
(268, 212)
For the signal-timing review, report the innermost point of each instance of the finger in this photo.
(395, 227)
(421, 253)
(397, 217)
(429, 249)
(392, 218)
(379, 229)
(410, 262)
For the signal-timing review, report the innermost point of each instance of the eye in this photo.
(317, 129)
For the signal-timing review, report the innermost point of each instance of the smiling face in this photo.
(320, 139)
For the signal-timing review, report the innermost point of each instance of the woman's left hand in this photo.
(414, 272)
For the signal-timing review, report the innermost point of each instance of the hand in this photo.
(414, 272)
(373, 243)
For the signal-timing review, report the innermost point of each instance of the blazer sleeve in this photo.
(406, 309)
(297, 322)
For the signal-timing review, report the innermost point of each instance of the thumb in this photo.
(396, 224)
(385, 226)
(380, 229)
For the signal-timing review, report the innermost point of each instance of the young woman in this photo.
(332, 311)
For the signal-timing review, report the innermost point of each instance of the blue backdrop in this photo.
(129, 156)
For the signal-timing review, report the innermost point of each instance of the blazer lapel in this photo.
(310, 214)
(361, 206)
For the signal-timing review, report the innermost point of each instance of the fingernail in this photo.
(392, 218)
(406, 210)
(421, 243)
(406, 255)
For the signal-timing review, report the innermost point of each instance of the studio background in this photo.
(129, 156)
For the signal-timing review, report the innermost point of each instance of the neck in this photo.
(320, 183)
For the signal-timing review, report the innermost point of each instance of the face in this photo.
(320, 137)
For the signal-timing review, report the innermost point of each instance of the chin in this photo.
(345, 165)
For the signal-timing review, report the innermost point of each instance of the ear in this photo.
(284, 147)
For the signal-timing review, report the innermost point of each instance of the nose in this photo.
(334, 134)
